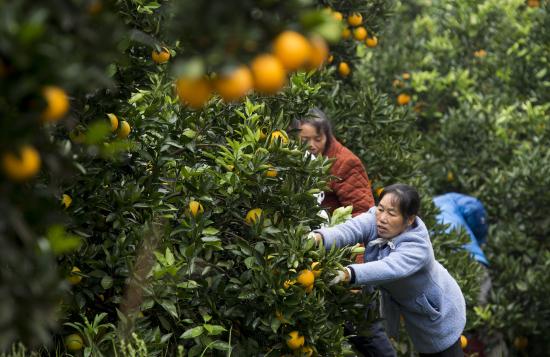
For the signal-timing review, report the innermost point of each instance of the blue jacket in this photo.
(462, 211)
(412, 282)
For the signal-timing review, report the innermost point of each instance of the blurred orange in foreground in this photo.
(194, 92)
(292, 49)
(234, 85)
(269, 74)
(23, 166)
(57, 103)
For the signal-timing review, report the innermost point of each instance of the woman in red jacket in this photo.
(350, 187)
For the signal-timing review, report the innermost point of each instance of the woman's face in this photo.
(316, 140)
(389, 220)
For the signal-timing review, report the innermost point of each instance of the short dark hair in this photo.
(319, 120)
(407, 197)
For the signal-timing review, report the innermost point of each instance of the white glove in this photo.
(315, 236)
(341, 276)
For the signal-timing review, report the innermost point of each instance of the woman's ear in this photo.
(410, 220)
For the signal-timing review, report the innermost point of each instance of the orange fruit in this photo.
(269, 74)
(95, 7)
(406, 76)
(533, 3)
(463, 341)
(234, 85)
(114, 122)
(295, 341)
(480, 53)
(160, 57)
(194, 92)
(195, 208)
(74, 342)
(372, 41)
(397, 83)
(288, 283)
(316, 271)
(292, 49)
(450, 176)
(346, 33)
(307, 351)
(355, 19)
(271, 172)
(253, 215)
(337, 15)
(521, 342)
(74, 278)
(330, 59)
(57, 104)
(319, 52)
(66, 200)
(279, 316)
(124, 130)
(343, 69)
(403, 99)
(306, 278)
(262, 134)
(360, 33)
(23, 166)
(277, 134)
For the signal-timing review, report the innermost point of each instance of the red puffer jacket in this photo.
(352, 187)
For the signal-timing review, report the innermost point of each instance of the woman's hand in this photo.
(343, 276)
(316, 236)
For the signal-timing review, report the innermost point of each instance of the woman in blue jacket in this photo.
(399, 259)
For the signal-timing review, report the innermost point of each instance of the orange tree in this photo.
(129, 163)
(476, 76)
(192, 216)
(51, 54)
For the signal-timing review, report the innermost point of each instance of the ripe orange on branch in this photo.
(306, 278)
(160, 57)
(355, 19)
(360, 33)
(195, 208)
(372, 42)
(253, 215)
(403, 99)
(114, 121)
(343, 69)
(124, 130)
(295, 341)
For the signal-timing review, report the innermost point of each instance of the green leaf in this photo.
(214, 330)
(193, 332)
(190, 284)
(61, 242)
(170, 307)
(220, 345)
(106, 282)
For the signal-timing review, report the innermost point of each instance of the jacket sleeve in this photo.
(359, 229)
(408, 257)
(353, 187)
